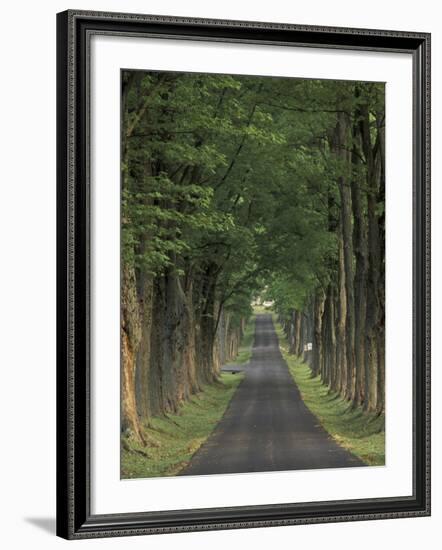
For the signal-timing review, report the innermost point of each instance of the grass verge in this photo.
(175, 438)
(361, 433)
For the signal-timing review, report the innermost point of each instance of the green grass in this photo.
(361, 433)
(175, 438)
(245, 348)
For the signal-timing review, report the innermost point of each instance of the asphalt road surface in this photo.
(266, 426)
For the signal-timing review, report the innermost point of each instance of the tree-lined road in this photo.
(267, 426)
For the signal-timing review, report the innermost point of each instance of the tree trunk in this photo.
(373, 316)
(317, 352)
(143, 359)
(342, 140)
(130, 339)
(329, 337)
(297, 331)
(361, 266)
(341, 332)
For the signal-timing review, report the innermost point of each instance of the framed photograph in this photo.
(243, 274)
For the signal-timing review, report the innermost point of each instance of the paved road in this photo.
(267, 427)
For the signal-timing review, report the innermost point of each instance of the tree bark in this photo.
(341, 332)
(360, 281)
(317, 352)
(373, 314)
(130, 339)
(342, 141)
(329, 337)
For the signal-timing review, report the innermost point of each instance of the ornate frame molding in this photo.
(74, 29)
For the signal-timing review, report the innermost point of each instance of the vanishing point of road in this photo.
(267, 426)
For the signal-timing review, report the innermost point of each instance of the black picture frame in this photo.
(74, 518)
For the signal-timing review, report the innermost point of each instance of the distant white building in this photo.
(258, 301)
